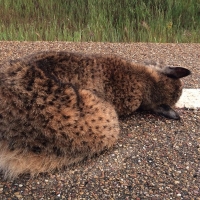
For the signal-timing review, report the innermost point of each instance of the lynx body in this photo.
(57, 108)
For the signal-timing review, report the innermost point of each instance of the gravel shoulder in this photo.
(155, 158)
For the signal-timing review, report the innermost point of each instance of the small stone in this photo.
(18, 195)
(176, 182)
(178, 195)
(150, 191)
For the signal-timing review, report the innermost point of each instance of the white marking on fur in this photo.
(190, 99)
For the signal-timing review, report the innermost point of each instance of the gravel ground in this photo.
(155, 158)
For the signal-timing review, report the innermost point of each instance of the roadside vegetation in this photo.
(100, 20)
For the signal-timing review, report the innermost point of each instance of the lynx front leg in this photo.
(127, 105)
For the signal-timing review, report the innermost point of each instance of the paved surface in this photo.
(190, 98)
(155, 158)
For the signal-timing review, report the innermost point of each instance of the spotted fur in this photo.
(57, 108)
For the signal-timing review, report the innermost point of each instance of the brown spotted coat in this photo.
(57, 108)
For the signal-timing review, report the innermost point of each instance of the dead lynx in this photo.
(57, 108)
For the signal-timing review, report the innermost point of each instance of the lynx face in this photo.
(167, 91)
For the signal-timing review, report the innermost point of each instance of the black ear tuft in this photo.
(166, 111)
(176, 72)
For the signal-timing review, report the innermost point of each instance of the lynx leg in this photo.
(100, 121)
(128, 105)
(87, 128)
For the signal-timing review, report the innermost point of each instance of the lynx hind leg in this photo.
(99, 122)
(93, 128)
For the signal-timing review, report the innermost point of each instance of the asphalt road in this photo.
(155, 158)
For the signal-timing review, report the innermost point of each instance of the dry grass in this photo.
(93, 20)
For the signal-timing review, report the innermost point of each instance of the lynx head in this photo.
(167, 90)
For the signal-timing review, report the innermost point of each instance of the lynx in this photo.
(58, 108)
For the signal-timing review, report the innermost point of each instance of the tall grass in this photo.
(100, 20)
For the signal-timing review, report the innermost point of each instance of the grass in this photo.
(100, 20)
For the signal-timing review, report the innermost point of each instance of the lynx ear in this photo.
(176, 72)
(166, 111)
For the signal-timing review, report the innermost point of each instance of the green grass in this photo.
(100, 20)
